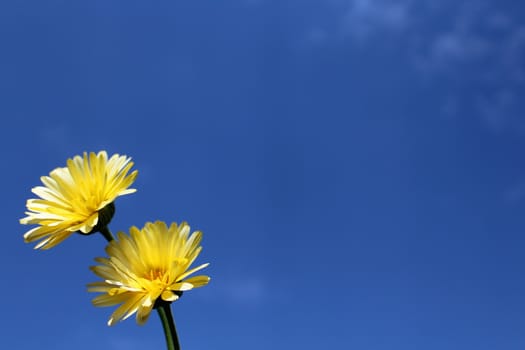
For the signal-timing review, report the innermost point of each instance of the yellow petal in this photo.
(71, 196)
(168, 295)
(147, 264)
(189, 272)
(144, 311)
(198, 281)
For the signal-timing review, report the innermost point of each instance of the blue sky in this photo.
(356, 167)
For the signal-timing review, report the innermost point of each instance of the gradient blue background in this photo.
(357, 167)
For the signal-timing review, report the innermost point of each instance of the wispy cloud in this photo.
(56, 137)
(501, 109)
(515, 193)
(126, 343)
(474, 46)
(364, 18)
(247, 291)
(470, 34)
(486, 49)
(250, 291)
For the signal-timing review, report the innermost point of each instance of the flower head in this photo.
(73, 197)
(148, 266)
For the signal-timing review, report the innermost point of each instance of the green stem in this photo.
(106, 233)
(164, 310)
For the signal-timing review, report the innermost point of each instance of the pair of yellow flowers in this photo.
(143, 267)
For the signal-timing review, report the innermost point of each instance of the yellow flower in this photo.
(73, 197)
(149, 264)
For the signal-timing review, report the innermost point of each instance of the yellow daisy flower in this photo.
(77, 197)
(147, 267)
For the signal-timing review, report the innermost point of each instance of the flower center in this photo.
(156, 274)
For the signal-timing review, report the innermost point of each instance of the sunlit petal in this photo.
(72, 196)
(148, 264)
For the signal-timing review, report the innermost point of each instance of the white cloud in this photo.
(364, 18)
(250, 291)
(473, 46)
(471, 36)
(459, 47)
(127, 343)
(513, 55)
(247, 291)
(501, 109)
(56, 136)
(515, 194)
